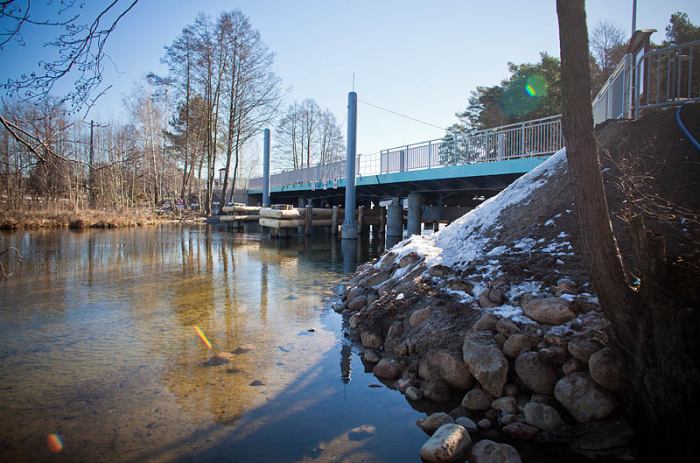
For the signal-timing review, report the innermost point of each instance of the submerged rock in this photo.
(446, 444)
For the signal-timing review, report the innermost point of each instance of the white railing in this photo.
(667, 77)
(613, 99)
(525, 139)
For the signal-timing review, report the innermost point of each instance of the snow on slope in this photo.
(471, 236)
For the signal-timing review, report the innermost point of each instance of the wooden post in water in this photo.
(307, 220)
(334, 221)
(360, 219)
(382, 220)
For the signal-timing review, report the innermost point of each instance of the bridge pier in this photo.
(415, 214)
(394, 219)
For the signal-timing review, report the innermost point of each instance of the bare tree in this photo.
(608, 43)
(307, 136)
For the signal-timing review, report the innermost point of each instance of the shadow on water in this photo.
(329, 414)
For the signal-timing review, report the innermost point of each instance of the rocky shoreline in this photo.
(496, 309)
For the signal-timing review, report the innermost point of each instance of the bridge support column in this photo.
(415, 214)
(266, 168)
(350, 224)
(394, 219)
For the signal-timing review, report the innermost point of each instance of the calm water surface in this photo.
(97, 345)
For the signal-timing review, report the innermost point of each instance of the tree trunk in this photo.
(654, 330)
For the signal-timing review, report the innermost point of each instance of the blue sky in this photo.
(420, 58)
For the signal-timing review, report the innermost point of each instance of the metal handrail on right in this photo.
(667, 77)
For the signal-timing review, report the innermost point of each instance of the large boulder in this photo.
(520, 431)
(431, 423)
(582, 349)
(436, 389)
(550, 310)
(371, 340)
(357, 303)
(606, 370)
(485, 361)
(477, 400)
(505, 404)
(388, 369)
(447, 367)
(487, 322)
(518, 343)
(583, 398)
(393, 337)
(488, 451)
(542, 416)
(534, 373)
(446, 444)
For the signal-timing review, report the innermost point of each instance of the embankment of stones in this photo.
(526, 367)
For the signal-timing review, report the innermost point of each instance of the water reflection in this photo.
(97, 341)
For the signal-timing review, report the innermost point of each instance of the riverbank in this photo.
(497, 312)
(29, 220)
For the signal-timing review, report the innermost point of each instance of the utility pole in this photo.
(634, 16)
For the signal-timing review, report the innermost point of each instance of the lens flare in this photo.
(202, 337)
(536, 86)
(54, 442)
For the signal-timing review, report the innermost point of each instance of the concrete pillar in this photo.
(415, 214)
(394, 219)
(266, 168)
(350, 224)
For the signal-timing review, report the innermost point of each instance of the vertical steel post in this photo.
(350, 224)
(90, 167)
(266, 168)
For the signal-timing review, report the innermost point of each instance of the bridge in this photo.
(444, 178)
(447, 176)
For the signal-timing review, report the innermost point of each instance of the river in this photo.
(98, 348)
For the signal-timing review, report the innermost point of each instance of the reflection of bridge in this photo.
(448, 170)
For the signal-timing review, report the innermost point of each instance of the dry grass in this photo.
(16, 220)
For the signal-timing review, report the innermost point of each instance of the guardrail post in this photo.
(522, 139)
(350, 224)
(266, 168)
(430, 155)
(501, 146)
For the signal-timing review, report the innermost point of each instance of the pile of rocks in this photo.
(531, 365)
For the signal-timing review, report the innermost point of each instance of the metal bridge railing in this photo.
(532, 138)
(613, 99)
(667, 77)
